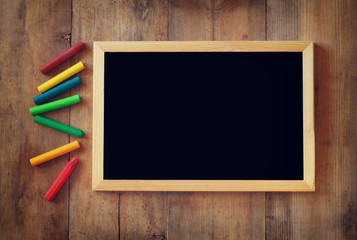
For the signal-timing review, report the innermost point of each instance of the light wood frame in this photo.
(305, 185)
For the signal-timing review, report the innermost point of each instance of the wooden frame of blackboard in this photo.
(305, 185)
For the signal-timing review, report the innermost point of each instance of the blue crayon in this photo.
(57, 90)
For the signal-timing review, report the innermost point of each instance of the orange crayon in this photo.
(54, 153)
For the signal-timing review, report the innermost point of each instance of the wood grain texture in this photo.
(215, 215)
(190, 20)
(282, 20)
(142, 215)
(348, 73)
(321, 215)
(239, 20)
(27, 31)
(282, 23)
(32, 32)
(91, 215)
(319, 21)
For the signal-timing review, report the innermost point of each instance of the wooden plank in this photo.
(330, 212)
(216, 215)
(282, 24)
(348, 122)
(143, 20)
(35, 31)
(239, 20)
(190, 20)
(309, 212)
(26, 44)
(91, 215)
(282, 19)
(139, 20)
(143, 215)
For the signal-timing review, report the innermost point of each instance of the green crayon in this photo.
(58, 126)
(64, 102)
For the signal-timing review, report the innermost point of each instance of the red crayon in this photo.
(61, 179)
(62, 57)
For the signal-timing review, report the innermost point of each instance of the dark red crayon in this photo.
(62, 57)
(61, 179)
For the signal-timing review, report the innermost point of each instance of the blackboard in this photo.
(203, 115)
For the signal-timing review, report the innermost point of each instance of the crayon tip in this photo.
(74, 161)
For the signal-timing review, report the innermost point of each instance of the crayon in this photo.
(64, 102)
(54, 153)
(58, 126)
(61, 179)
(57, 90)
(61, 77)
(62, 57)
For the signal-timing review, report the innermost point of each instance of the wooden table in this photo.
(32, 32)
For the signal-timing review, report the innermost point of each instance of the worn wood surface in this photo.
(27, 31)
(32, 32)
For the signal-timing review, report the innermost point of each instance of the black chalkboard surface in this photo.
(203, 115)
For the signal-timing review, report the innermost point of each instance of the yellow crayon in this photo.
(61, 77)
(54, 153)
